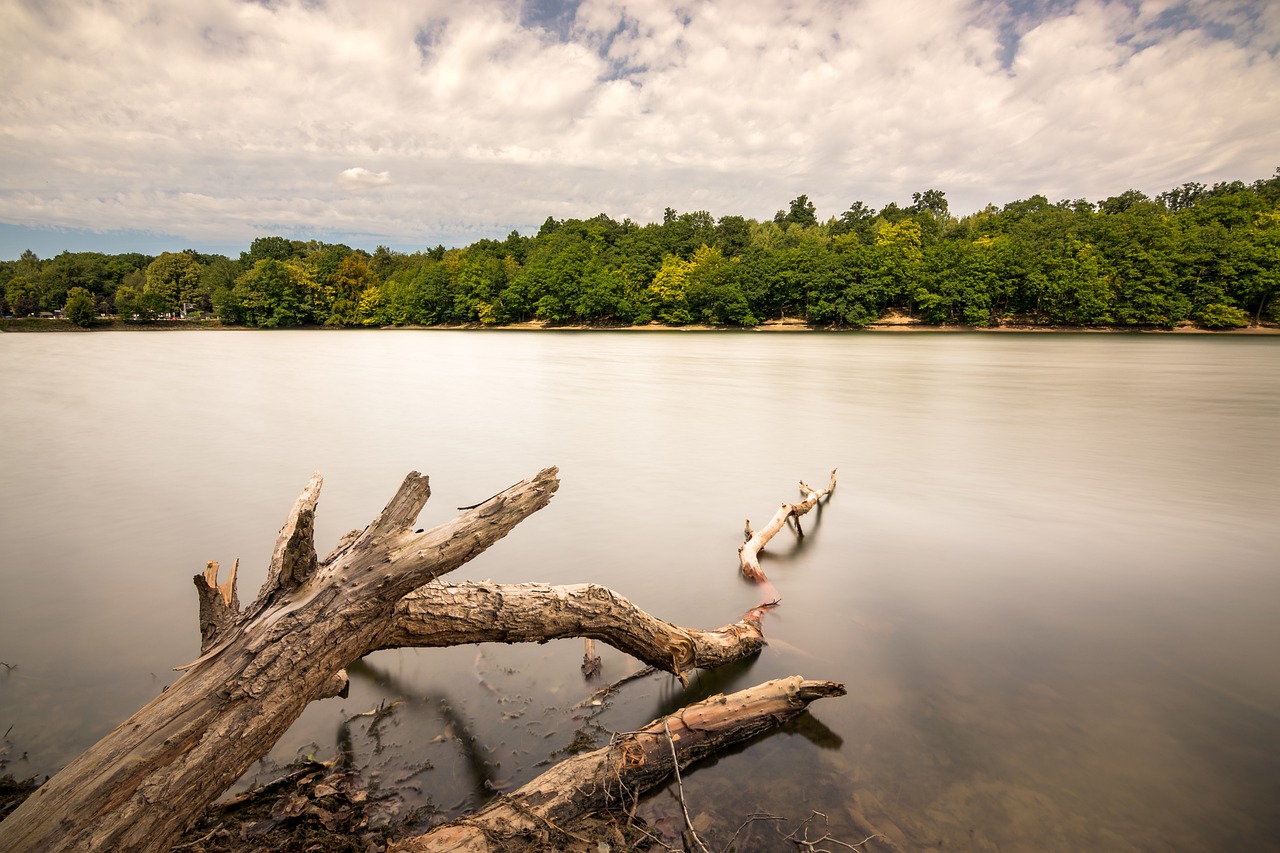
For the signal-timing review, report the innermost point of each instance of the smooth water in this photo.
(1049, 575)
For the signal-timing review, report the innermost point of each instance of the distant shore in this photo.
(896, 323)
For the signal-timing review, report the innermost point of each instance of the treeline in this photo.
(1210, 255)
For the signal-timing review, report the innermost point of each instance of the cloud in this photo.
(215, 119)
(359, 178)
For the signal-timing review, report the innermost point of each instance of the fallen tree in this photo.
(145, 781)
(539, 815)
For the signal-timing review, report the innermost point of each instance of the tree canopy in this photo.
(1210, 255)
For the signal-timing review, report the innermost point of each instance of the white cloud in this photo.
(216, 119)
(359, 178)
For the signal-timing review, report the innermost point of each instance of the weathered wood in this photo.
(294, 559)
(144, 782)
(219, 604)
(535, 816)
(138, 787)
(749, 553)
(439, 614)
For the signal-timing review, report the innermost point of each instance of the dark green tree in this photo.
(801, 212)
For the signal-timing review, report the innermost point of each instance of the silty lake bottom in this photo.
(1049, 575)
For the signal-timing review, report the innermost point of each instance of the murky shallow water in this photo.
(1049, 574)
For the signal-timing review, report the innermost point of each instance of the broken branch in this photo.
(749, 553)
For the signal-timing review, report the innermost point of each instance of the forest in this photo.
(1199, 254)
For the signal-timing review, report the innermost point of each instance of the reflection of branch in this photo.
(482, 775)
(815, 731)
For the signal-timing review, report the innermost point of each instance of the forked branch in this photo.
(749, 553)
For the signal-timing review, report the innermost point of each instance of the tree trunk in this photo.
(538, 815)
(144, 782)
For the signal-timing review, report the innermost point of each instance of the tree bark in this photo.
(749, 553)
(457, 614)
(537, 816)
(144, 782)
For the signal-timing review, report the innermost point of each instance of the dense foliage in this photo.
(1210, 255)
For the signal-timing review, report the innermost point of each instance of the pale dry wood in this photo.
(294, 559)
(749, 553)
(138, 787)
(538, 815)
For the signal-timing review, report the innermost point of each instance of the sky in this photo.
(154, 125)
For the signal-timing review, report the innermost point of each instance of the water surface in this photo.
(1048, 575)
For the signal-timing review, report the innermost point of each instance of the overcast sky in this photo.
(161, 124)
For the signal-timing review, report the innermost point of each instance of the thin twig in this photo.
(609, 688)
(826, 835)
(675, 760)
(750, 820)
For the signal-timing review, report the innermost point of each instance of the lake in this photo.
(1049, 574)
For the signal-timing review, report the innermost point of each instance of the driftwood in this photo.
(538, 815)
(145, 781)
(439, 615)
(749, 553)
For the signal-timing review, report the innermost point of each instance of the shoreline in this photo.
(894, 323)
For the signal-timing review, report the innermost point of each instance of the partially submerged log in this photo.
(537, 816)
(145, 781)
(749, 553)
(455, 614)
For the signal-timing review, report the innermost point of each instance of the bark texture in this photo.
(456, 614)
(749, 553)
(535, 816)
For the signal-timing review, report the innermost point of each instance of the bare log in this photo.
(439, 615)
(537, 816)
(749, 553)
(138, 787)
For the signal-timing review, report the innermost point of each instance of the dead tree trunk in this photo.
(538, 815)
(439, 615)
(144, 782)
(749, 553)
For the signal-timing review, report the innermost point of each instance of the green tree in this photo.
(173, 280)
(800, 212)
(22, 295)
(267, 248)
(669, 292)
(268, 296)
(348, 284)
(79, 308)
(859, 219)
(713, 290)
